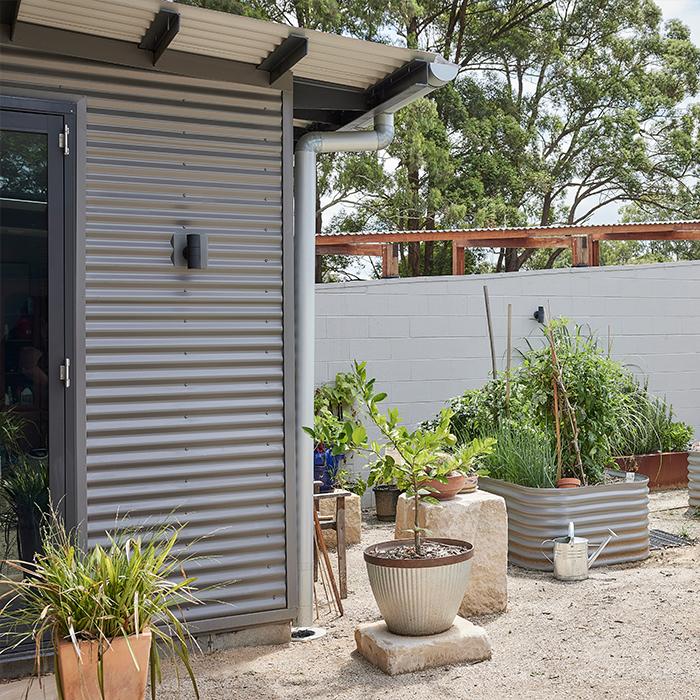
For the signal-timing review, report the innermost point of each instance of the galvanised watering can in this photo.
(571, 560)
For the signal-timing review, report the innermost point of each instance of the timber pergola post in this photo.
(458, 261)
(390, 260)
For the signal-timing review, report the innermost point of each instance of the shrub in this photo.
(611, 413)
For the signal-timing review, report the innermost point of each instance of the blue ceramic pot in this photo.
(326, 466)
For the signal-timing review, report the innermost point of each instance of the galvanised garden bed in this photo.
(539, 514)
(694, 478)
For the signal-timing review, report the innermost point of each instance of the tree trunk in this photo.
(413, 220)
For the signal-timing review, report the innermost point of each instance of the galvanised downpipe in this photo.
(305, 269)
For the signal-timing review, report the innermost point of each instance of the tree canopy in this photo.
(562, 107)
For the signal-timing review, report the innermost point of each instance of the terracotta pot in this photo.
(446, 492)
(122, 679)
(471, 483)
(418, 597)
(664, 469)
(568, 483)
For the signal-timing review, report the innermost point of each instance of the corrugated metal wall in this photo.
(184, 368)
(694, 478)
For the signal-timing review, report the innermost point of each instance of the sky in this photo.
(686, 10)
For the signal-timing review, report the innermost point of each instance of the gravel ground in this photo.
(627, 632)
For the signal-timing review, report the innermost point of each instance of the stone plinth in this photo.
(464, 642)
(353, 520)
(479, 518)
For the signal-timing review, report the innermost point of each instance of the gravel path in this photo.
(627, 632)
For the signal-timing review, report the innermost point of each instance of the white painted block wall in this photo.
(425, 339)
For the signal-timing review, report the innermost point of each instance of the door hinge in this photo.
(64, 372)
(63, 140)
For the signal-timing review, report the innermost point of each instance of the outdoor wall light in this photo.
(539, 314)
(190, 250)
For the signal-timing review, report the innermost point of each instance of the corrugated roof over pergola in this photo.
(583, 239)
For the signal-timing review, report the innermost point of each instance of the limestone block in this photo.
(464, 642)
(479, 518)
(353, 519)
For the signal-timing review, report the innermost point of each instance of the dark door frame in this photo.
(71, 112)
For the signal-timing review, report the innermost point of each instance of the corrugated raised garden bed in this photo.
(539, 514)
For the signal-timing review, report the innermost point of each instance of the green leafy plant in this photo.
(468, 458)
(417, 449)
(570, 399)
(335, 417)
(133, 583)
(648, 425)
(333, 433)
(12, 427)
(24, 487)
(353, 483)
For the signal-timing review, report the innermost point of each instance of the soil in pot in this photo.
(385, 499)
(123, 680)
(568, 483)
(419, 596)
(446, 492)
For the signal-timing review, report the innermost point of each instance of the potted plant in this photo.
(24, 487)
(108, 611)
(652, 442)
(418, 583)
(333, 439)
(458, 472)
(336, 430)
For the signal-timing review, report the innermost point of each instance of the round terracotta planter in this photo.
(471, 483)
(418, 597)
(568, 483)
(123, 679)
(446, 492)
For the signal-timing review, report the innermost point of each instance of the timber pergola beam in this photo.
(584, 240)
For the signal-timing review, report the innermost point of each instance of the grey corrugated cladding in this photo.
(694, 478)
(184, 368)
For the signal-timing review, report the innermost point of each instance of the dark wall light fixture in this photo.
(190, 250)
(539, 314)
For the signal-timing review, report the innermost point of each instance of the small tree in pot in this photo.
(404, 574)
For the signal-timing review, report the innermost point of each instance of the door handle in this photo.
(64, 372)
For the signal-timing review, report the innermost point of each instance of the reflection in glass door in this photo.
(31, 327)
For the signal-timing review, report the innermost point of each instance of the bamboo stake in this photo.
(490, 327)
(322, 576)
(555, 391)
(327, 560)
(569, 409)
(509, 352)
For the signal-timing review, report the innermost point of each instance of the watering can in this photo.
(571, 560)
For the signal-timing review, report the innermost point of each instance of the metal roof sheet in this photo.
(331, 58)
(544, 230)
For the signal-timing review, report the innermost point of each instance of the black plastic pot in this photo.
(385, 499)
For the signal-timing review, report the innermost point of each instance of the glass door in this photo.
(32, 329)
